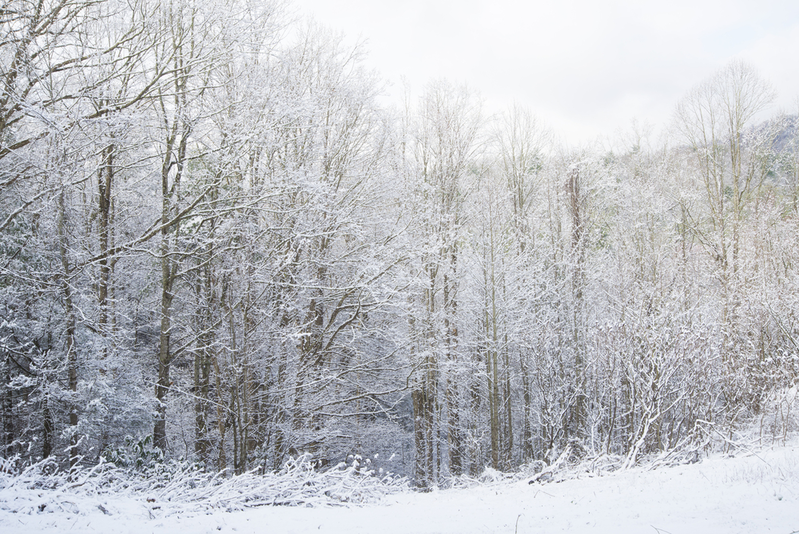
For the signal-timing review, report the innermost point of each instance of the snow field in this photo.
(753, 493)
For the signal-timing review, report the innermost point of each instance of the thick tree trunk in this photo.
(69, 333)
(164, 355)
(162, 388)
(105, 180)
(48, 434)
(202, 360)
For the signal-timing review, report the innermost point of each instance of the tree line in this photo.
(215, 239)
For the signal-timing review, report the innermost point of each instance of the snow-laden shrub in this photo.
(179, 486)
(137, 453)
(780, 415)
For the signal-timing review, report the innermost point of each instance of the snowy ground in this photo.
(748, 493)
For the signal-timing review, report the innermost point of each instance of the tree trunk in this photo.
(202, 359)
(527, 427)
(577, 417)
(164, 353)
(105, 180)
(452, 392)
(69, 332)
(8, 410)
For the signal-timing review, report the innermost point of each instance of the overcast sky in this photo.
(586, 67)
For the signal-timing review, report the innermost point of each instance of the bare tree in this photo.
(444, 146)
(732, 157)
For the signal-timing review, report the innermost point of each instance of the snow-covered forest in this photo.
(219, 245)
